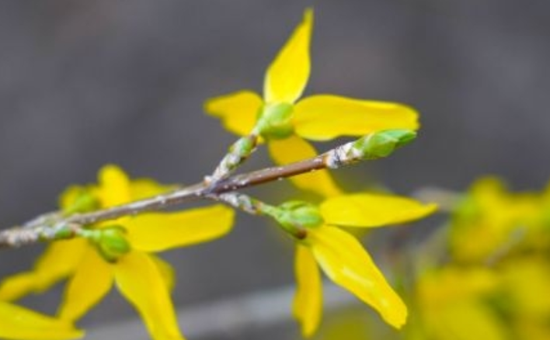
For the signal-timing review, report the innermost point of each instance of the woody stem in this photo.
(53, 226)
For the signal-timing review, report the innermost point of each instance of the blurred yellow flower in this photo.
(500, 221)
(451, 306)
(525, 282)
(343, 258)
(121, 254)
(22, 324)
(494, 284)
(283, 121)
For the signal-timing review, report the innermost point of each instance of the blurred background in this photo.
(85, 83)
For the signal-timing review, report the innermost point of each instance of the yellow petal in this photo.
(464, 320)
(287, 76)
(531, 329)
(325, 117)
(372, 210)
(527, 282)
(447, 285)
(114, 186)
(346, 263)
(308, 302)
(90, 283)
(166, 270)
(145, 188)
(238, 111)
(22, 324)
(295, 149)
(58, 261)
(140, 281)
(157, 232)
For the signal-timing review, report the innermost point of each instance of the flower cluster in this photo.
(121, 252)
(511, 250)
(486, 274)
(284, 122)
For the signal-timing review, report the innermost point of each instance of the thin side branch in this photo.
(238, 153)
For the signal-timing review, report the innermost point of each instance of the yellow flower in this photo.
(144, 279)
(22, 324)
(476, 302)
(499, 221)
(283, 120)
(344, 260)
(451, 306)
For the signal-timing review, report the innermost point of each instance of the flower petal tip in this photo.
(398, 319)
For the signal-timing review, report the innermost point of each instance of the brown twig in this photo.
(52, 226)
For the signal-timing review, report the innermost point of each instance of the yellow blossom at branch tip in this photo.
(344, 260)
(285, 121)
(144, 279)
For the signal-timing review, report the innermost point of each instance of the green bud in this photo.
(84, 201)
(275, 121)
(382, 144)
(111, 242)
(299, 215)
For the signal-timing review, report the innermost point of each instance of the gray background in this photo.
(84, 83)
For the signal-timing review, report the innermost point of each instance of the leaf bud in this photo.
(295, 215)
(275, 121)
(83, 201)
(111, 242)
(382, 144)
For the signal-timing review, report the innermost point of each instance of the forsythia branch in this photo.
(54, 226)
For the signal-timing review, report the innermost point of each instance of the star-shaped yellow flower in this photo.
(344, 260)
(284, 121)
(144, 279)
(22, 324)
